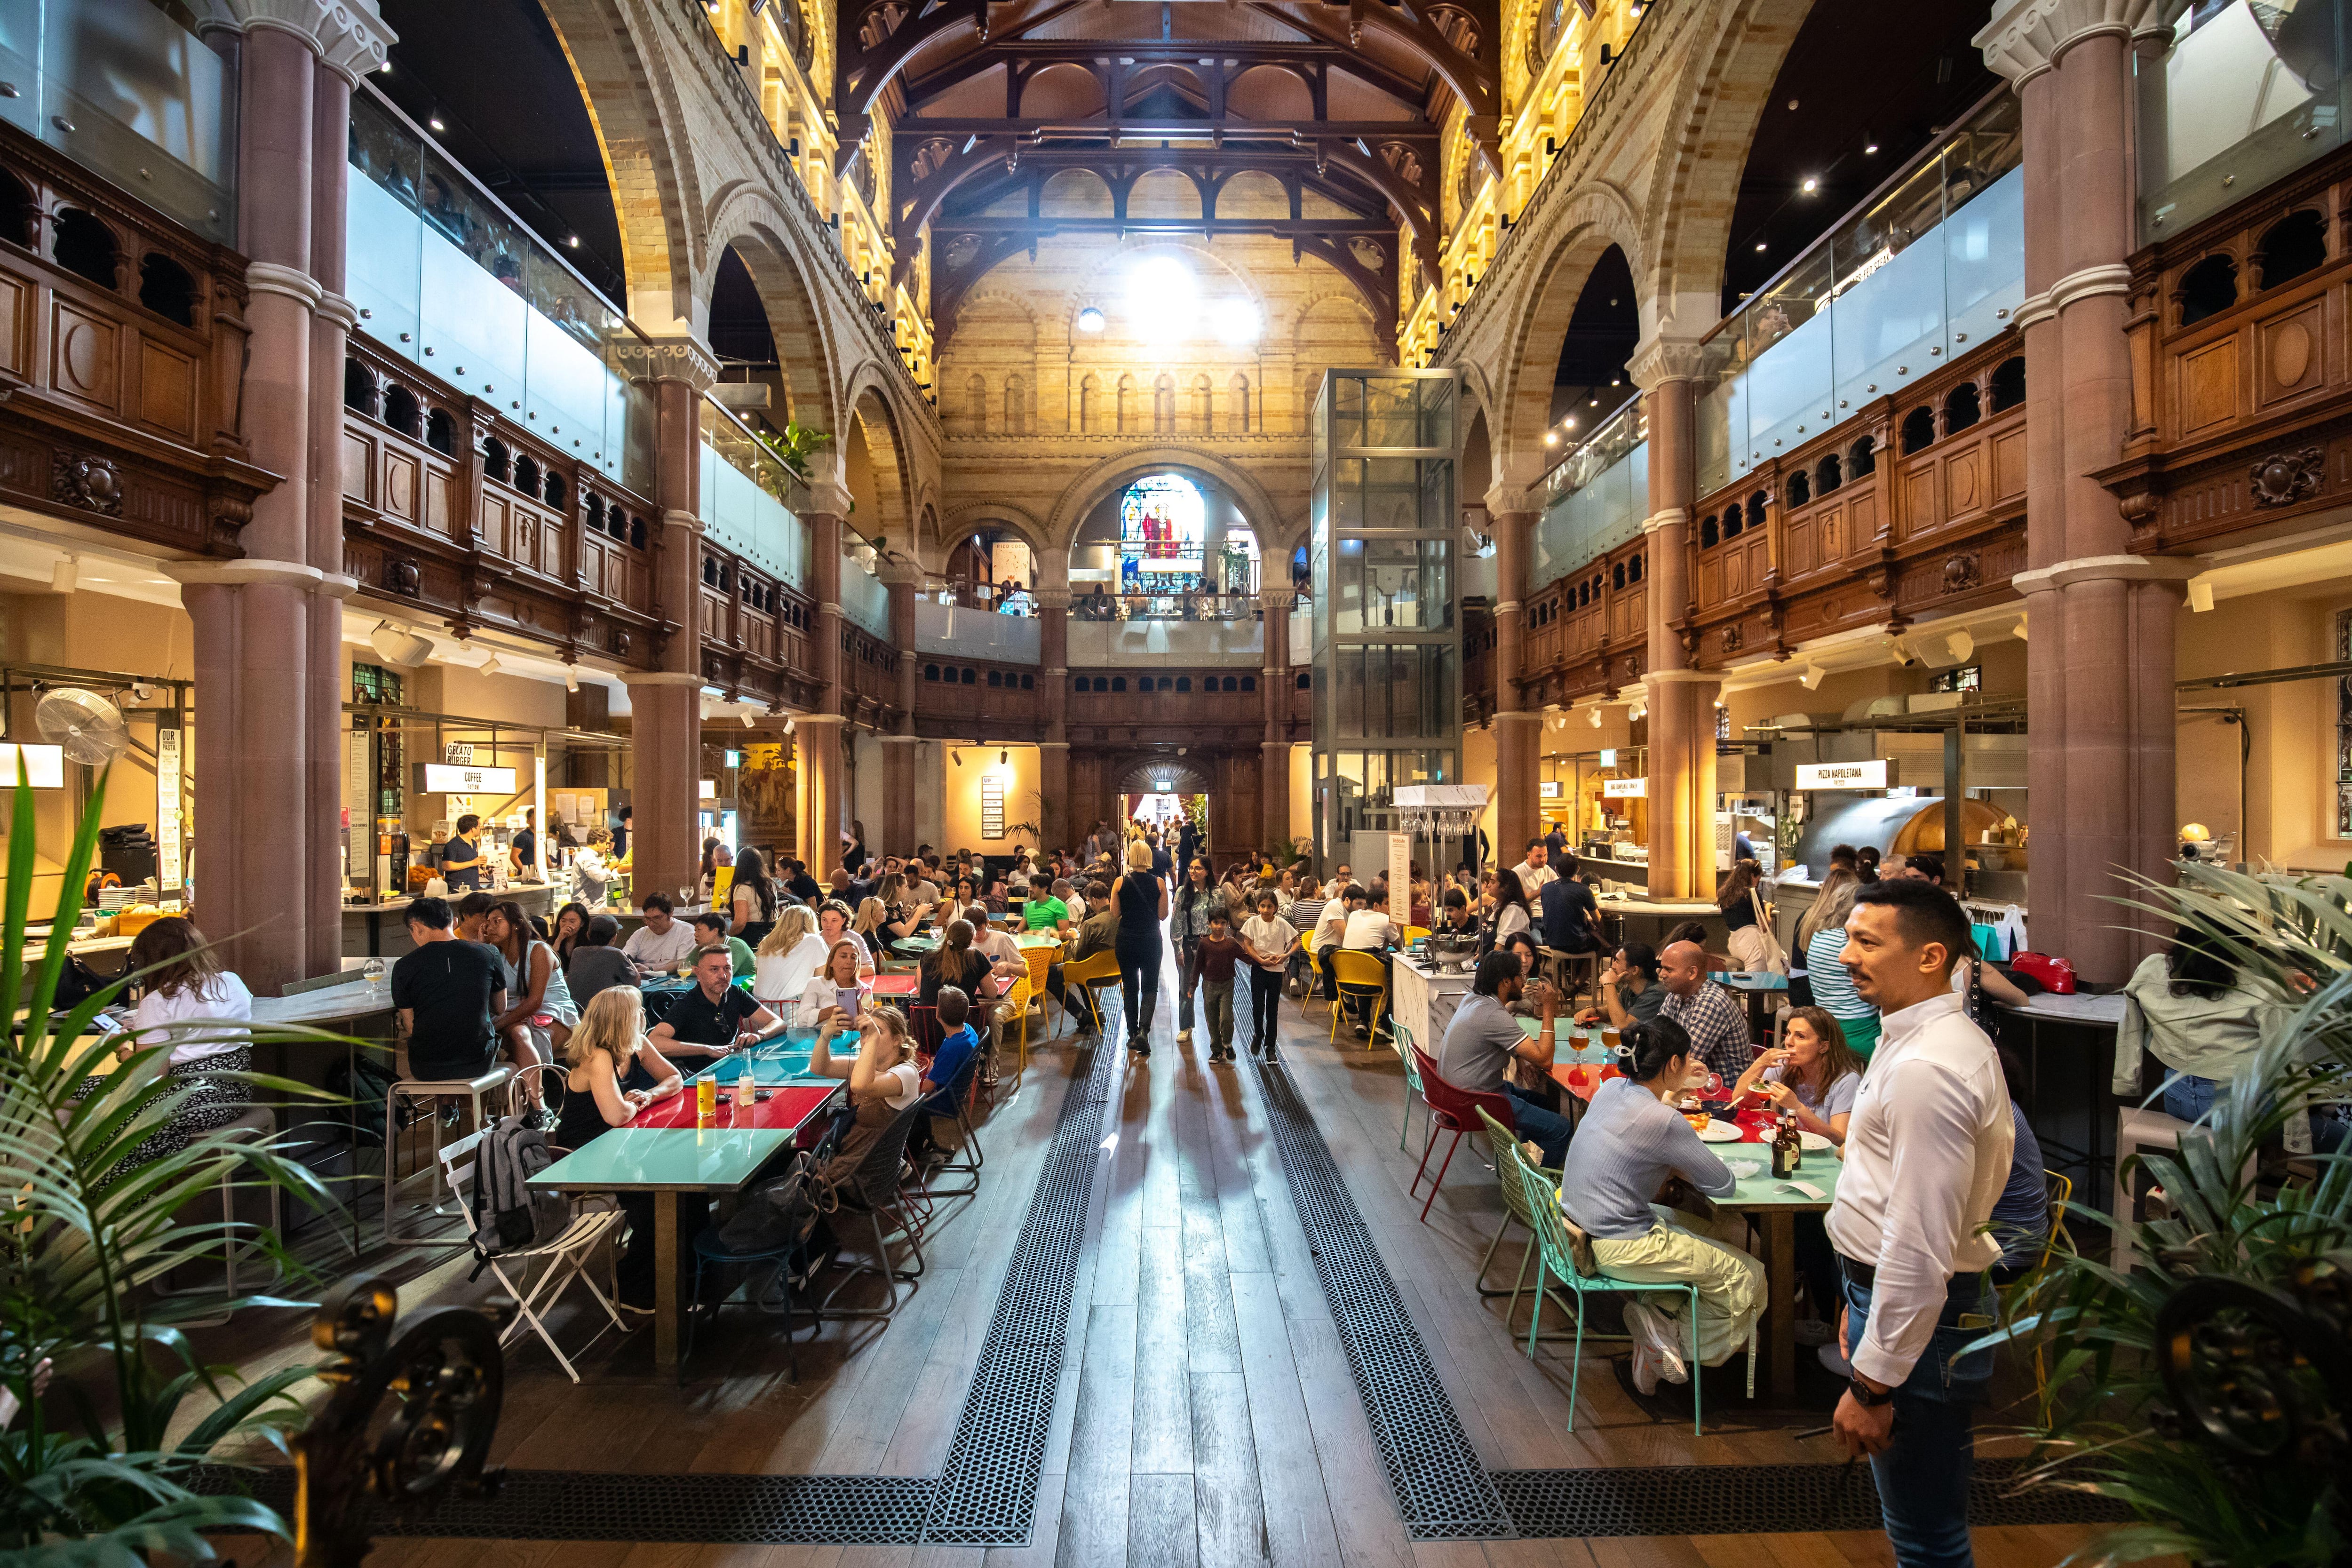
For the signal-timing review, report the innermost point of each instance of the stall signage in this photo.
(1625, 789)
(1869, 774)
(443, 778)
(709, 789)
(992, 809)
(1608, 756)
(457, 753)
(45, 766)
(1548, 789)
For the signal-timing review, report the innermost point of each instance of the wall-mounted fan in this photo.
(86, 726)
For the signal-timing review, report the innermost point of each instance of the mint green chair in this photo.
(1505, 1146)
(1402, 1040)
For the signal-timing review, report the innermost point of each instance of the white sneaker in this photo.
(1183, 1036)
(1834, 1360)
(1654, 1338)
(1645, 1368)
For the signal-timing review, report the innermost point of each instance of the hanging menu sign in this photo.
(1869, 774)
(992, 809)
(167, 808)
(440, 778)
(1624, 789)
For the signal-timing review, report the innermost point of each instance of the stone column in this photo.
(820, 731)
(1274, 686)
(1053, 677)
(1513, 511)
(269, 628)
(898, 747)
(666, 704)
(1680, 699)
(2099, 666)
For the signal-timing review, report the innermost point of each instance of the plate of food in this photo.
(1814, 1143)
(1714, 1131)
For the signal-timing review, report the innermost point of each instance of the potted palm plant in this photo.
(92, 1222)
(2207, 1388)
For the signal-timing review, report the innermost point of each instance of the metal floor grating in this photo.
(985, 1495)
(1446, 1493)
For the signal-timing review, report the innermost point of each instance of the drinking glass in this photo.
(373, 971)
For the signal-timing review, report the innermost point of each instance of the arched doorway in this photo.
(1165, 792)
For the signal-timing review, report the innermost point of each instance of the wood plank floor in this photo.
(1206, 1416)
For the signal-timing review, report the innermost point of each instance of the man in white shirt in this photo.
(662, 943)
(1926, 1154)
(1368, 929)
(1534, 871)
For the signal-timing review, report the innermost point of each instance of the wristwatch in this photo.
(1865, 1395)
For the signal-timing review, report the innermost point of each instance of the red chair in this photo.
(1451, 1110)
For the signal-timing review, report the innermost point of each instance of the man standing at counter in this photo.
(461, 858)
(525, 851)
(621, 834)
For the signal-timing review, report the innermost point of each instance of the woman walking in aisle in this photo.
(1194, 904)
(1142, 898)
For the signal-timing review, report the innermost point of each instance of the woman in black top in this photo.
(607, 1051)
(954, 963)
(1142, 902)
(754, 897)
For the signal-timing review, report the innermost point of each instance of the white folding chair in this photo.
(567, 1256)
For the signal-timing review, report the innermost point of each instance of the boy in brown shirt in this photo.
(1218, 954)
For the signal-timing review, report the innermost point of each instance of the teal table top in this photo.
(1819, 1170)
(673, 1159)
(1570, 1044)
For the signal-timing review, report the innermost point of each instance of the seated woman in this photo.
(188, 1002)
(1812, 1073)
(605, 1052)
(832, 999)
(883, 1080)
(570, 921)
(1628, 1145)
(786, 957)
(956, 963)
(832, 918)
(540, 990)
(2202, 1021)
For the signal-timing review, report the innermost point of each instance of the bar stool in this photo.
(2139, 1128)
(258, 1124)
(489, 1082)
(1566, 969)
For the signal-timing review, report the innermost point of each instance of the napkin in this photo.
(1807, 1188)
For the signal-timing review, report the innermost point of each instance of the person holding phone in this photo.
(833, 993)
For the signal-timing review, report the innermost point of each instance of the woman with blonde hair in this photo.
(1821, 937)
(869, 921)
(832, 996)
(607, 1054)
(786, 957)
(883, 1080)
(1141, 899)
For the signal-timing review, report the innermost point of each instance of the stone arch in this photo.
(1598, 217)
(965, 516)
(875, 460)
(1726, 86)
(749, 220)
(1145, 774)
(1082, 494)
(642, 131)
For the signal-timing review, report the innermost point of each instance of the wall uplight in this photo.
(1090, 319)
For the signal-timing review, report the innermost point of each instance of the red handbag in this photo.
(2055, 976)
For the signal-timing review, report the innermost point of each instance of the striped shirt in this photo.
(1834, 989)
(1627, 1145)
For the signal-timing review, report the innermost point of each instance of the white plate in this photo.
(1813, 1141)
(1721, 1133)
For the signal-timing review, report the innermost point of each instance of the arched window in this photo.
(1305, 680)
(1028, 683)
(496, 464)
(976, 404)
(16, 211)
(1163, 405)
(2207, 289)
(2008, 383)
(969, 678)
(360, 393)
(996, 678)
(85, 246)
(168, 289)
(1862, 458)
(2292, 247)
(1119, 683)
(1709, 534)
(1734, 524)
(440, 433)
(526, 476)
(1089, 406)
(1634, 573)
(1127, 416)
(1238, 406)
(1918, 430)
(1801, 488)
(1828, 476)
(1249, 683)
(1617, 576)
(1204, 417)
(552, 490)
(1016, 406)
(1183, 683)
(1962, 407)
(593, 506)
(400, 409)
(637, 532)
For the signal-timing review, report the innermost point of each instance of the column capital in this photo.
(237, 574)
(2026, 38)
(678, 356)
(340, 310)
(348, 36)
(1507, 499)
(1666, 518)
(828, 490)
(1277, 600)
(1658, 359)
(2106, 569)
(1055, 599)
(269, 278)
(677, 517)
(900, 571)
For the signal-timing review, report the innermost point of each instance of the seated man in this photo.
(1485, 1039)
(1098, 933)
(662, 943)
(710, 930)
(1571, 920)
(596, 964)
(447, 992)
(958, 1041)
(716, 1016)
(1716, 1024)
(1330, 926)
(1369, 930)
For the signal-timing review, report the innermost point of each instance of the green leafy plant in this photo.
(89, 1222)
(2104, 1420)
(796, 446)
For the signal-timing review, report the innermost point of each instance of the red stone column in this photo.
(1274, 748)
(1680, 699)
(1517, 731)
(2099, 661)
(820, 733)
(326, 731)
(666, 703)
(1053, 677)
(899, 746)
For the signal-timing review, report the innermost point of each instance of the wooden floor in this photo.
(1206, 1415)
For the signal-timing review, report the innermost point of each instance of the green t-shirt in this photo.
(741, 952)
(1044, 914)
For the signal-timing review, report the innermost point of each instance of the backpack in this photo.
(778, 1213)
(509, 1215)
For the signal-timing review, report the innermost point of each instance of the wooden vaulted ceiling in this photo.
(1339, 104)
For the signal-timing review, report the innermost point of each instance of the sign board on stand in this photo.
(1401, 879)
(167, 808)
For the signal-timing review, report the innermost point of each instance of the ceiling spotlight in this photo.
(487, 667)
(1616, 380)
(1596, 715)
(1572, 424)
(788, 726)
(747, 720)
(1090, 319)
(1869, 149)
(570, 678)
(956, 757)
(572, 240)
(1005, 758)
(1759, 247)
(63, 574)
(1812, 677)
(384, 69)
(435, 123)
(1809, 184)
(1551, 437)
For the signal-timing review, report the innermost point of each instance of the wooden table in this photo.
(664, 1152)
(1776, 1204)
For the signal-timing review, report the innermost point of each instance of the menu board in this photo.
(167, 808)
(992, 808)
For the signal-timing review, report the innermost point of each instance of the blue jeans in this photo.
(2188, 1097)
(1547, 1129)
(1923, 1475)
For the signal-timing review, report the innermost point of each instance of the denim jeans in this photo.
(1188, 979)
(2189, 1096)
(1538, 1123)
(1217, 1003)
(1923, 1477)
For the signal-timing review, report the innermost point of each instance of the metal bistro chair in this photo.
(567, 1254)
(1564, 1252)
(954, 1094)
(876, 1188)
(1505, 1142)
(1357, 972)
(1401, 1038)
(474, 1091)
(1451, 1110)
(1575, 973)
(1096, 973)
(256, 1124)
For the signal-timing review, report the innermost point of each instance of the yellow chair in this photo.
(1041, 962)
(1357, 971)
(1096, 973)
(1015, 1007)
(2062, 1193)
(1415, 933)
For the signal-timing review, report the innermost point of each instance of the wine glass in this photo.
(373, 971)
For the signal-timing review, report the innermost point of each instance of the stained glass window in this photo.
(1163, 523)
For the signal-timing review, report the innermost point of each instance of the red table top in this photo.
(897, 985)
(786, 1109)
(1584, 1081)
